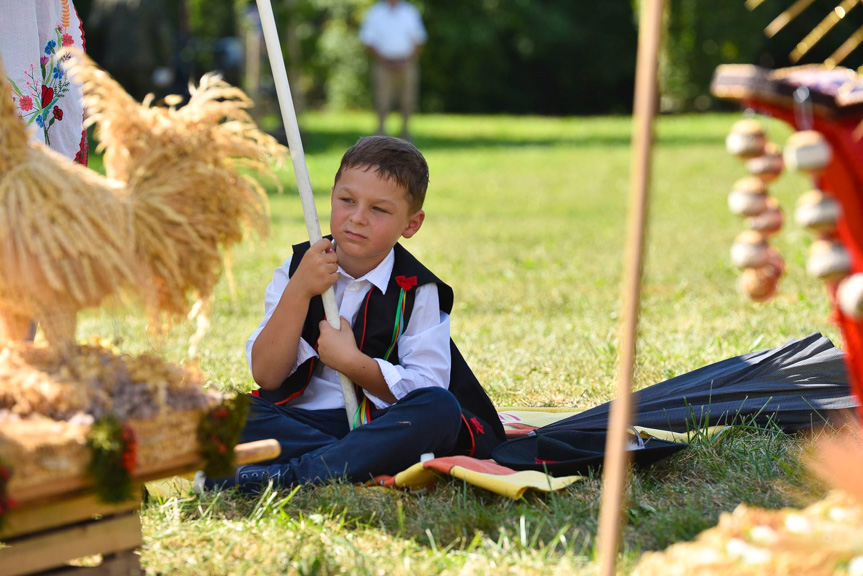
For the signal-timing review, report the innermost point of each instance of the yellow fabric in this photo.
(709, 432)
(514, 485)
(511, 485)
(414, 477)
(535, 416)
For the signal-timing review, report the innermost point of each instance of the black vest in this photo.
(481, 428)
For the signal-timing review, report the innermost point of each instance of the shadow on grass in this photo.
(322, 140)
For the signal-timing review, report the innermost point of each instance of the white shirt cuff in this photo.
(391, 377)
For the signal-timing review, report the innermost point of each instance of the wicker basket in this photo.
(169, 436)
(42, 451)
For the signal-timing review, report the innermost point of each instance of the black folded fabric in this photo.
(800, 385)
(571, 452)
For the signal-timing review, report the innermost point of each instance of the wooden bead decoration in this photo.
(818, 212)
(746, 139)
(849, 294)
(750, 250)
(768, 222)
(828, 260)
(768, 167)
(775, 263)
(748, 197)
(758, 284)
(807, 151)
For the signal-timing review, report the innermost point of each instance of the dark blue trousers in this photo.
(318, 444)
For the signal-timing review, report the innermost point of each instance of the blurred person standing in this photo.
(393, 33)
(47, 100)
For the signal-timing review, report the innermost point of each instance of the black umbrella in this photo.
(800, 385)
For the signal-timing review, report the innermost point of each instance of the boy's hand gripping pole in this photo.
(304, 184)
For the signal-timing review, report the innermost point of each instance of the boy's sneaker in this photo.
(248, 478)
(253, 474)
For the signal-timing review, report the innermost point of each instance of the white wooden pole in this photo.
(616, 456)
(304, 183)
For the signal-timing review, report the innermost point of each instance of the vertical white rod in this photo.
(615, 466)
(304, 183)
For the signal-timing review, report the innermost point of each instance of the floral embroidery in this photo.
(39, 98)
(83, 149)
(477, 427)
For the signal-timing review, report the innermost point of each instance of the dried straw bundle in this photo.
(193, 200)
(63, 243)
(91, 381)
(824, 539)
(175, 200)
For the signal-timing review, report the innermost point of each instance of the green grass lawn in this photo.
(526, 221)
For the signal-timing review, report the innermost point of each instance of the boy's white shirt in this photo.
(424, 346)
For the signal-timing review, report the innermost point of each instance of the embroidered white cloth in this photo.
(31, 34)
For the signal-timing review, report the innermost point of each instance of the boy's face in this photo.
(369, 214)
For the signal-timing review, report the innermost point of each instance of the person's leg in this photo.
(409, 95)
(298, 431)
(383, 93)
(426, 420)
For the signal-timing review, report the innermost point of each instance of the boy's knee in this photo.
(441, 407)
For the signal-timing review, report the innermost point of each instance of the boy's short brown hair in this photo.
(394, 159)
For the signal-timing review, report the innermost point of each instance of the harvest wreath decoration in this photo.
(114, 450)
(218, 434)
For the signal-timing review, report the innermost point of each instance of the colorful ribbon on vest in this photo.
(363, 414)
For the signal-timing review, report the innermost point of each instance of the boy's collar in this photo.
(379, 276)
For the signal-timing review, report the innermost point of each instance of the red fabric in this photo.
(444, 465)
(517, 430)
(843, 178)
(406, 283)
(472, 437)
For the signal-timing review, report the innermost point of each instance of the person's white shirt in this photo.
(394, 31)
(424, 347)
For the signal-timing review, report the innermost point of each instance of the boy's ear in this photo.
(414, 223)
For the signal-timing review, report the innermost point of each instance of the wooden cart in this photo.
(55, 523)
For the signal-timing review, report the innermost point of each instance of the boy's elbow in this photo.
(265, 385)
(265, 381)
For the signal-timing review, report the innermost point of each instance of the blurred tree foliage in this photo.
(520, 56)
(702, 34)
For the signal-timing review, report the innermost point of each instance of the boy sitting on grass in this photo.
(416, 394)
